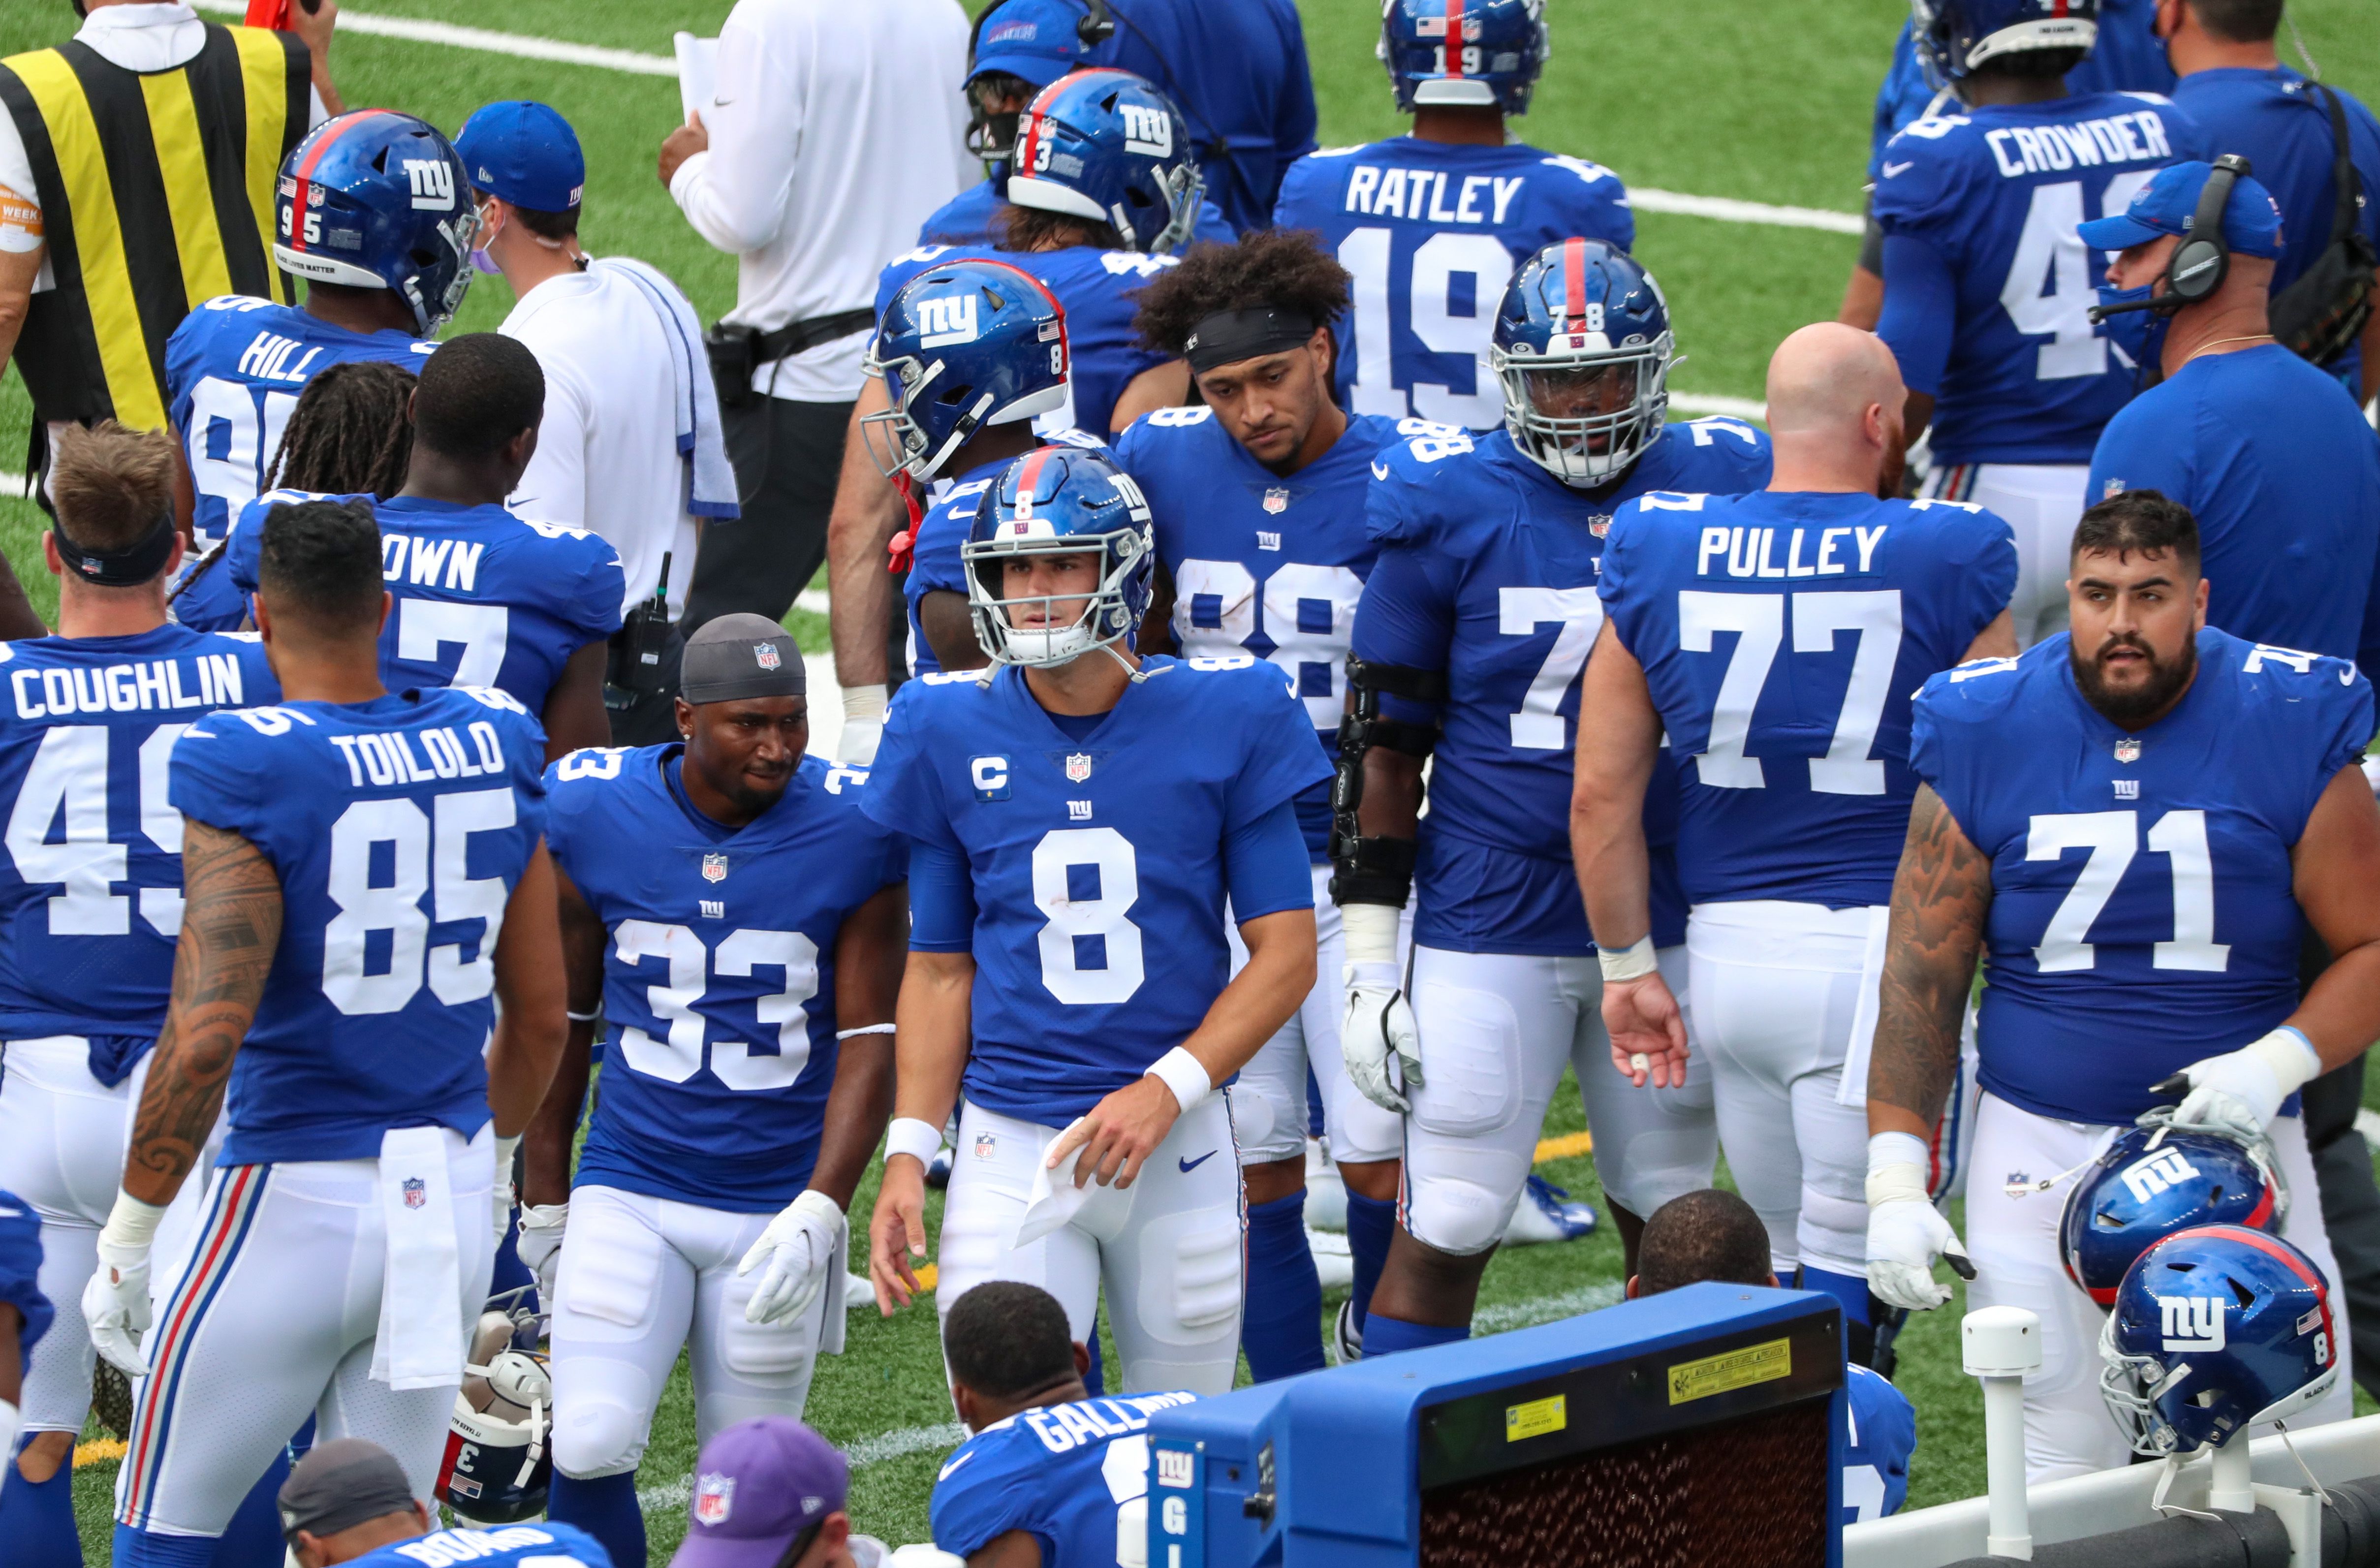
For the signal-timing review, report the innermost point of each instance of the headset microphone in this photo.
(1096, 26)
(2201, 261)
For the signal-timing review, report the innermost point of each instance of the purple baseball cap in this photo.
(1032, 39)
(2252, 222)
(756, 1486)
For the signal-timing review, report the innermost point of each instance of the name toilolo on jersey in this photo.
(424, 755)
(194, 680)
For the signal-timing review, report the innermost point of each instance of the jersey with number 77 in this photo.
(1486, 572)
(2143, 912)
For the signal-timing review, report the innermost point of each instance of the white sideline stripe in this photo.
(861, 1454)
(1727, 209)
(1734, 407)
(1546, 1308)
(813, 600)
(2368, 1124)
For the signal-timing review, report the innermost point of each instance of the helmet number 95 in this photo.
(313, 223)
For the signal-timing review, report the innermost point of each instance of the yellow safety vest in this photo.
(156, 193)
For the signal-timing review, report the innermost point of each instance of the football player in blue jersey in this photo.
(2133, 827)
(1048, 1477)
(1431, 224)
(91, 899)
(1987, 288)
(25, 1314)
(482, 596)
(741, 927)
(375, 214)
(1793, 783)
(370, 962)
(1257, 499)
(349, 1501)
(1473, 627)
(1060, 830)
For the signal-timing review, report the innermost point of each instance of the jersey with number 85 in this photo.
(1488, 572)
(2143, 912)
(397, 829)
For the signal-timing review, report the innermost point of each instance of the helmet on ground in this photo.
(379, 200)
(2158, 1178)
(1582, 344)
(1108, 145)
(2216, 1329)
(1464, 52)
(1952, 37)
(1059, 501)
(963, 344)
(498, 1465)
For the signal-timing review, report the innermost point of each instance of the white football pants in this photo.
(1496, 1029)
(640, 1277)
(2041, 502)
(1268, 1100)
(276, 1318)
(2013, 1242)
(1168, 1247)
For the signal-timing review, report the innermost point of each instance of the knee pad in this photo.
(1267, 1124)
(1656, 1167)
(1471, 1060)
(1457, 1216)
(599, 1436)
(970, 1247)
(1833, 1231)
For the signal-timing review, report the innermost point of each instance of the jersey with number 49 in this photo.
(1073, 1477)
(397, 829)
(1264, 564)
(1999, 194)
(1095, 289)
(234, 369)
(483, 597)
(545, 1544)
(1097, 864)
(2143, 907)
(718, 970)
(90, 891)
(1488, 572)
(1783, 635)
(1431, 232)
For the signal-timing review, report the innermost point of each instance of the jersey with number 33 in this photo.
(1998, 193)
(2143, 907)
(718, 969)
(1488, 572)
(1097, 864)
(397, 829)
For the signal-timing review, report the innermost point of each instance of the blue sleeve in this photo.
(1405, 617)
(2351, 710)
(603, 589)
(1267, 865)
(241, 549)
(934, 561)
(211, 775)
(1921, 310)
(942, 899)
(210, 600)
(1620, 581)
(1294, 124)
(20, 1273)
(1282, 755)
(2145, 447)
(903, 793)
(1884, 1426)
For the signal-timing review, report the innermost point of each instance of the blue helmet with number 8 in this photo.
(1108, 145)
(1060, 501)
(964, 345)
(1477, 52)
(379, 200)
(1582, 344)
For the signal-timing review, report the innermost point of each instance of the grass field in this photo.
(1730, 98)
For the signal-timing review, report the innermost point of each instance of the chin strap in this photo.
(1135, 676)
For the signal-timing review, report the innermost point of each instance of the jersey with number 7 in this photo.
(2144, 913)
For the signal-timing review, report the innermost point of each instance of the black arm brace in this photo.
(1375, 870)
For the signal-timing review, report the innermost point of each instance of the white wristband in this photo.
(1371, 934)
(920, 1140)
(506, 1147)
(864, 1029)
(1631, 962)
(1179, 1071)
(865, 701)
(131, 1225)
(1896, 1168)
(2290, 1055)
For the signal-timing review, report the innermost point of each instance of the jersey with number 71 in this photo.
(2142, 908)
(1488, 572)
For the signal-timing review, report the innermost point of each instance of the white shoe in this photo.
(1346, 1340)
(1332, 1261)
(857, 1293)
(1325, 1195)
(1547, 1213)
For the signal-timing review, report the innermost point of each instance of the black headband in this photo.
(1229, 336)
(129, 567)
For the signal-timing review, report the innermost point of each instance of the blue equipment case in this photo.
(1698, 1428)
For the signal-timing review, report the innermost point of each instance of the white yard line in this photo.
(861, 1454)
(1544, 1308)
(1727, 209)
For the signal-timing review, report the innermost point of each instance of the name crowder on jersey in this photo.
(213, 681)
(2032, 150)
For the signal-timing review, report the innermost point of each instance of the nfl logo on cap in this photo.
(1078, 767)
(714, 868)
(766, 653)
(417, 1192)
(714, 1497)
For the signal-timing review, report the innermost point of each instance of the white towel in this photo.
(419, 1342)
(1055, 1201)
(1854, 1088)
(710, 478)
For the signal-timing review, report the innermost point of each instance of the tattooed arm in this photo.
(1940, 895)
(231, 926)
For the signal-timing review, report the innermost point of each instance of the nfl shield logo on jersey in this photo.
(1599, 525)
(2127, 749)
(715, 865)
(1078, 767)
(766, 654)
(713, 1497)
(417, 1192)
(1275, 500)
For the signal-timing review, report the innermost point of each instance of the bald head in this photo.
(1826, 376)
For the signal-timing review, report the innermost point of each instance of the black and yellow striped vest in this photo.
(157, 194)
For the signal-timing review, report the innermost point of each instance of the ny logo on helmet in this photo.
(2165, 1168)
(1148, 130)
(433, 185)
(948, 320)
(2191, 1322)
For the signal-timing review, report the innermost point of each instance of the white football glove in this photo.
(2242, 1089)
(1378, 1026)
(1905, 1232)
(801, 1249)
(500, 1199)
(540, 1244)
(115, 1301)
(863, 725)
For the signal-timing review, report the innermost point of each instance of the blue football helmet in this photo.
(379, 200)
(1108, 145)
(1952, 37)
(2158, 1178)
(1482, 51)
(2216, 1329)
(1582, 344)
(1060, 501)
(964, 345)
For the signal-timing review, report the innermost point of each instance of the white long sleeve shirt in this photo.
(835, 130)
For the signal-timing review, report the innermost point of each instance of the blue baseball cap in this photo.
(525, 152)
(1032, 38)
(2252, 221)
(758, 1485)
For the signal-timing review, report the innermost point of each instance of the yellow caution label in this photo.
(1736, 1369)
(1535, 1418)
